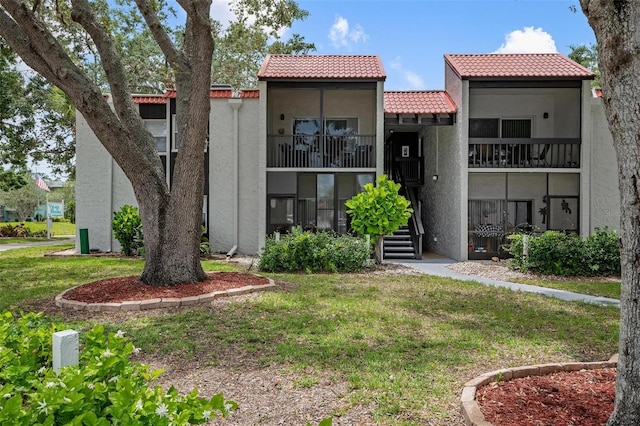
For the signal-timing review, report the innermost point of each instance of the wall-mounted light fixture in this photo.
(545, 115)
(282, 117)
(434, 177)
(390, 131)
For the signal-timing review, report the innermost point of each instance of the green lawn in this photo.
(57, 228)
(405, 344)
(596, 287)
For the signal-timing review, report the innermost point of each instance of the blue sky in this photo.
(412, 36)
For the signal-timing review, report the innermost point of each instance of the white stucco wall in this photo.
(453, 84)
(101, 189)
(441, 208)
(604, 192)
(229, 170)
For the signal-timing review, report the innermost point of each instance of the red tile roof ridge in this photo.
(319, 67)
(511, 65)
(419, 102)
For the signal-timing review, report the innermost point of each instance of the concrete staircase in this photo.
(399, 245)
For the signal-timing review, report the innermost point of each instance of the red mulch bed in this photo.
(131, 288)
(577, 398)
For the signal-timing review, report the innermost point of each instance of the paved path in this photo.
(439, 268)
(5, 247)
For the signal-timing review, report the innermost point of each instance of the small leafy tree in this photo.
(378, 211)
(127, 228)
(23, 200)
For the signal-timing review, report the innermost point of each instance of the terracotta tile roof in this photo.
(325, 67)
(220, 93)
(517, 66)
(419, 102)
(149, 99)
(250, 94)
(223, 94)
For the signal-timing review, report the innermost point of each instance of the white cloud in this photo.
(221, 12)
(342, 34)
(412, 80)
(529, 40)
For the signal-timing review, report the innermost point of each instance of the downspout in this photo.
(235, 104)
(110, 203)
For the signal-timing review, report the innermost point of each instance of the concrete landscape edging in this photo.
(141, 305)
(469, 406)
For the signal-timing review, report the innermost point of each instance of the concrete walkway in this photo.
(438, 267)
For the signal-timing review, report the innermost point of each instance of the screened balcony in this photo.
(321, 151)
(524, 153)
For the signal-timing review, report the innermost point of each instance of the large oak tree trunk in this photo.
(616, 24)
(173, 254)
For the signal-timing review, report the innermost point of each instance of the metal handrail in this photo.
(416, 229)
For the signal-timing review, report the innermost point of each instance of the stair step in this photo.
(403, 249)
(400, 235)
(397, 242)
(399, 256)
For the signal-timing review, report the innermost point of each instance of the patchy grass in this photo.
(594, 287)
(405, 344)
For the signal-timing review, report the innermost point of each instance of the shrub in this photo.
(603, 252)
(558, 253)
(378, 211)
(17, 231)
(127, 229)
(205, 244)
(107, 389)
(312, 252)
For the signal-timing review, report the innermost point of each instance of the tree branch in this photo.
(174, 56)
(83, 14)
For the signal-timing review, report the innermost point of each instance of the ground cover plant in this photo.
(106, 387)
(403, 344)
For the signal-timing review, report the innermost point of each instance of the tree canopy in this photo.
(16, 112)
(587, 56)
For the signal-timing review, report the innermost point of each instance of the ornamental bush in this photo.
(314, 252)
(127, 229)
(557, 253)
(106, 388)
(378, 211)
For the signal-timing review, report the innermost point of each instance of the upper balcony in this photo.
(524, 153)
(321, 151)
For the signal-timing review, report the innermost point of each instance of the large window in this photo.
(500, 127)
(281, 213)
(321, 198)
(158, 129)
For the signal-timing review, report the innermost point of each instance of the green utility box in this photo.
(84, 241)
